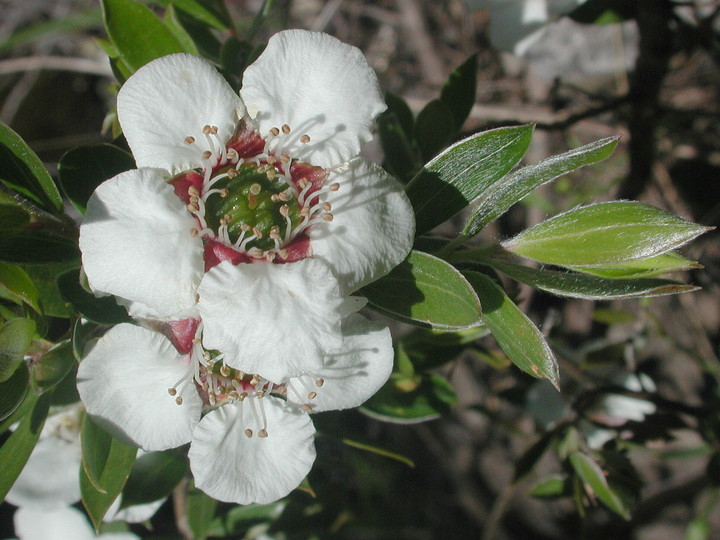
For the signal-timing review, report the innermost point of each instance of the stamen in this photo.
(206, 154)
(274, 132)
(319, 382)
(286, 129)
(189, 140)
(305, 139)
(249, 433)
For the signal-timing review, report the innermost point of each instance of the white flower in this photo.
(59, 523)
(248, 225)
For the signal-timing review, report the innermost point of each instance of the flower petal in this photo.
(123, 382)
(275, 320)
(319, 86)
(56, 524)
(351, 376)
(373, 225)
(136, 243)
(50, 477)
(231, 467)
(170, 99)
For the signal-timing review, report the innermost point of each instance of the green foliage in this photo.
(13, 391)
(15, 338)
(103, 310)
(16, 286)
(153, 476)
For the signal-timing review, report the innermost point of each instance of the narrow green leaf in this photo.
(434, 128)
(459, 90)
(200, 513)
(379, 451)
(44, 276)
(594, 479)
(660, 264)
(399, 107)
(260, 17)
(37, 247)
(106, 465)
(22, 171)
(13, 217)
(52, 367)
(15, 338)
(137, 33)
(16, 286)
(153, 476)
(103, 310)
(510, 189)
(517, 336)
(172, 22)
(428, 397)
(452, 180)
(25, 406)
(604, 234)
(16, 450)
(203, 37)
(84, 168)
(426, 291)
(553, 486)
(589, 287)
(210, 12)
(13, 391)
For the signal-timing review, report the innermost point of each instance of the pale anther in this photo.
(327, 206)
(179, 400)
(232, 173)
(305, 139)
(206, 154)
(255, 189)
(334, 187)
(213, 130)
(284, 253)
(274, 132)
(270, 257)
(194, 232)
(286, 129)
(248, 433)
(263, 433)
(306, 407)
(189, 140)
(328, 217)
(224, 370)
(224, 192)
(193, 191)
(312, 395)
(244, 227)
(172, 391)
(283, 196)
(319, 382)
(257, 232)
(302, 183)
(274, 197)
(193, 207)
(284, 210)
(206, 130)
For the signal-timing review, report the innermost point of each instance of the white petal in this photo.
(373, 225)
(229, 466)
(136, 243)
(57, 524)
(352, 375)
(137, 513)
(170, 99)
(319, 86)
(123, 382)
(50, 477)
(276, 320)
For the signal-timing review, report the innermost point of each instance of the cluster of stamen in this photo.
(266, 184)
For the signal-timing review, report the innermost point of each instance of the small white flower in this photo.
(248, 225)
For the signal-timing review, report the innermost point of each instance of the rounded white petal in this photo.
(318, 86)
(56, 524)
(373, 225)
(172, 98)
(50, 477)
(229, 466)
(137, 513)
(351, 376)
(276, 320)
(136, 244)
(123, 382)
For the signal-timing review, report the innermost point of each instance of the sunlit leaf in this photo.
(604, 234)
(517, 336)
(211, 12)
(553, 486)
(499, 197)
(16, 286)
(426, 291)
(659, 264)
(44, 277)
(594, 479)
(15, 338)
(200, 513)
(22, 171)
(459, 175)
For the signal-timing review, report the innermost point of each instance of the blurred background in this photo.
(650, 73)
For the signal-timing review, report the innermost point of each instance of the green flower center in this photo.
(255, 207)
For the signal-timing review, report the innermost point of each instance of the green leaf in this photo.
(527, 461)
(401, 156)
(200, 513)
(13, 217)
(84, 168)
(604, 234)
(13, 391)
(594, 479)
(22, 171)
(103, 310)
(137, 33)
(660, 264)
(425, 398)
(452, 180)
(204, 39)
(552, 486)
(16, 450)
(15, 338)
(106, 465)
(379, 451)
(153, 476)
(16, 286)
(44, 276)
(38, 246)
(211, 12)
(399, 107)
(499, 197)
(172, 22)
(426, 291)
(589, 287)
(459, 90)
(52, 367)
(517, 336)
(434, 128)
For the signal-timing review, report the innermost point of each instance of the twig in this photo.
(431, 66)
(326, 15)
(56, 63)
